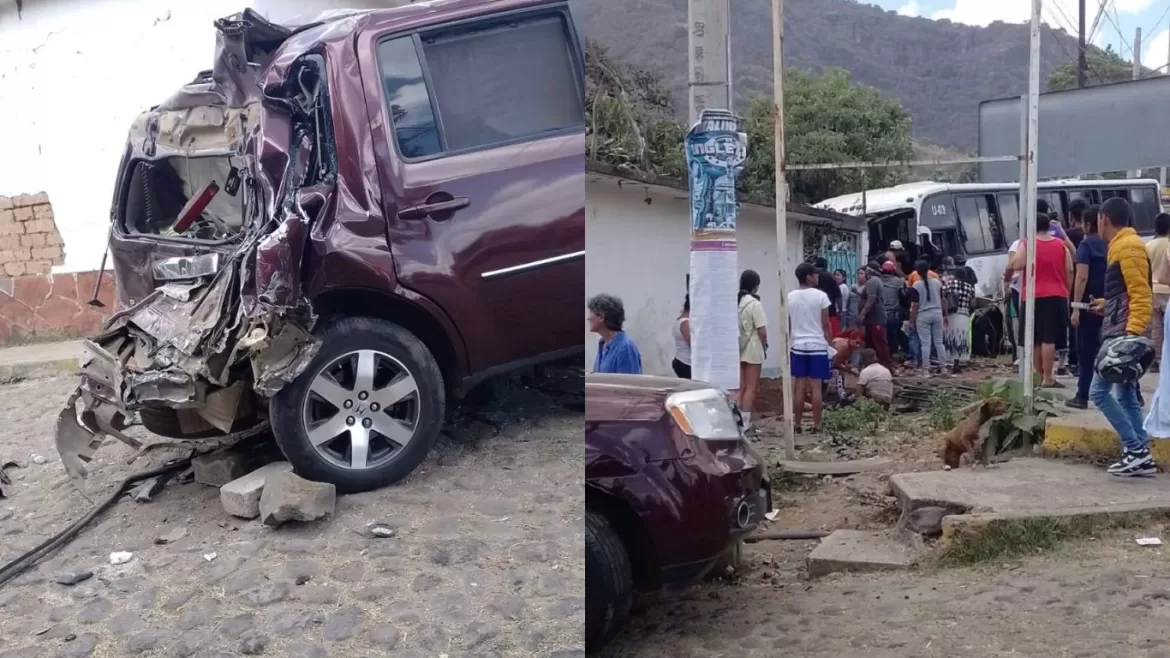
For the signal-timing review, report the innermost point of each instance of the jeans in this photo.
(1088, 342)
(914, 346)
(930, 334)
(1121, 407)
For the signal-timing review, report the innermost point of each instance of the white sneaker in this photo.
(1134, 464)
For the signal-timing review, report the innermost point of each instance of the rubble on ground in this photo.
(241, 496)
(287, 497)
(216, 469)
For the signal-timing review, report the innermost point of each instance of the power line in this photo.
(1097, 19)
(1117, 26)
(1160, 19)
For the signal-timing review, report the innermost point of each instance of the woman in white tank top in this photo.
(682, 341)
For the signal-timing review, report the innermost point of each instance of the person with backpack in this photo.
(753, 342)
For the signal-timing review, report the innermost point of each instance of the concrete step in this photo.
(1087, 434)
(859, 551)
(1029, 489)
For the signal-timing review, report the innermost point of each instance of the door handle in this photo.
(440, 206)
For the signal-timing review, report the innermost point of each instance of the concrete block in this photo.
(287, 497)
(857, 551)
(241, 496)
(218, 468)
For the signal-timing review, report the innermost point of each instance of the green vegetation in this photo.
(1015, 428)
(1105, 67)
(942, 410)
(1002, 539)
(829, 118)
(864, 416)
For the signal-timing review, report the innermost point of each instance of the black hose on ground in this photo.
(787, 535)
(24, 562)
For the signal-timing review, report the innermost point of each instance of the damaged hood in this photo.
(230, 316)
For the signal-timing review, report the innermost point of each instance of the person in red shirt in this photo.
(1054, 267)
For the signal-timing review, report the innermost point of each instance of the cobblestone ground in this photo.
(487, 560)
(1094, 599)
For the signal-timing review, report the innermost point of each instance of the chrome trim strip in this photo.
(536, 264)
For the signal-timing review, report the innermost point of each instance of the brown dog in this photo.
(964, 437)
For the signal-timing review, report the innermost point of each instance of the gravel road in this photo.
(487, 560)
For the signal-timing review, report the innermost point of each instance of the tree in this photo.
(828, 118)
(629, 118)
(630, 122)
(1104, 67)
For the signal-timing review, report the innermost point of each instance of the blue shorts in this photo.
(810, 365)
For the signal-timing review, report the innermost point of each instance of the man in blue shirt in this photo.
(1089, 283)
(616, 351)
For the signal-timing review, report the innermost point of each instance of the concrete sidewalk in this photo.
(1029, 488)
(1086, 433)
(39, 360)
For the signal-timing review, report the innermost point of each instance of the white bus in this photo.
(980, 220)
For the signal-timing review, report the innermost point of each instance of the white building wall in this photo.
(73, 75)
(637, 240)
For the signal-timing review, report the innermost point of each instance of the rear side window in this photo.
(479, 85)
(1145, 204)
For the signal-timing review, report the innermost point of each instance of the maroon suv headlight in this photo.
(704, 414)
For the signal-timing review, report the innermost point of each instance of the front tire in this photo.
(366, 411)
(609, 581)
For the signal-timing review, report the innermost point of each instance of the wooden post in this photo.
(783, 345)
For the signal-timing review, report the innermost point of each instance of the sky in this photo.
(1116, 29)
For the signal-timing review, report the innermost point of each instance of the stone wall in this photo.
(29, 241)
(52, 306)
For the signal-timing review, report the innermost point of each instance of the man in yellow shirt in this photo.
(1159, 250)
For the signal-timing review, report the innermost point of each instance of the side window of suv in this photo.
(475, 86)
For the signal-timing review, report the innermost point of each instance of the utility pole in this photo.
(1029, 211)
(1082, 65)
(1162, 176)
(787, 273)
(1137, 74)
(707, 57)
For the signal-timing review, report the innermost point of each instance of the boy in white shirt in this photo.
(875, 381)
(808, 319)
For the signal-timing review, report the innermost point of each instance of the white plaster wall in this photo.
(641, 253)
(74, 74)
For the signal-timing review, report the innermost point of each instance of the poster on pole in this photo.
(715, 152)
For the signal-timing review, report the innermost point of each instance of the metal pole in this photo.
(1022, 364)
(786, 271)
(707, 57)
(1033, 133)
(1137, 74)
(727, 38)
(1081, 63)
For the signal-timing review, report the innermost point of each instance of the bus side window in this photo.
(1145, 208)
(974, 219)
(1009, 215)
(994, 227)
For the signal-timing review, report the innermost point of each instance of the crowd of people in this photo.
(1097, 283)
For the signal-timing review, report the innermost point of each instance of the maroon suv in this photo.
(670, 486)
(341, 226)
